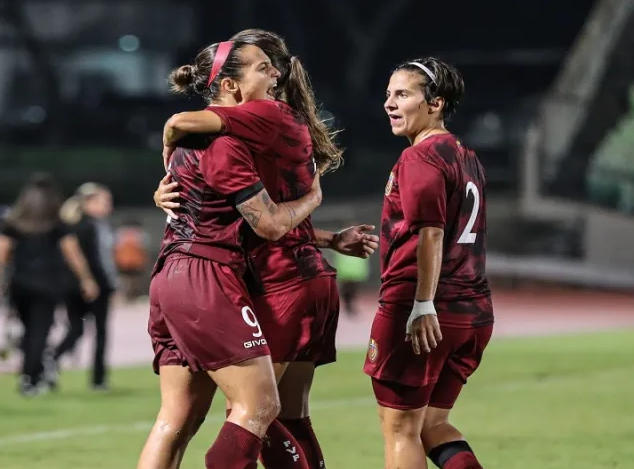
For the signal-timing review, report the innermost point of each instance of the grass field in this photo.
(558, 402)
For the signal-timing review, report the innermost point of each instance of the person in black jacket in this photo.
(88, 211)
(35, 243)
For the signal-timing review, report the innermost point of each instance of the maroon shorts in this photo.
(201, 316)
(300, 322)
(404, 380)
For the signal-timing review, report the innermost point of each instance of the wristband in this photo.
(421, 308)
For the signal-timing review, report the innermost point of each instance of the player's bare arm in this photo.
(354, 241)
(183, 123)
(423, 326)
(271, 221)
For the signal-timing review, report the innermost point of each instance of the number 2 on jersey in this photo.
(467, 237)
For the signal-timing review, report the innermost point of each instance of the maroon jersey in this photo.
(439, 183)
(282, 150)
(211, 182)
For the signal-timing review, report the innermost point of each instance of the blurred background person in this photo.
(35, 242)
(11, 326)
(87, 212)
(131, 257)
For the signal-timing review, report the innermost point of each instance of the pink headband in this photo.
(219, 60)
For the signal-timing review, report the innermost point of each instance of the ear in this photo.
(228, 85)
(436, 105)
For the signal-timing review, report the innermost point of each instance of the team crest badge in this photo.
(373, 350)
(390, 183)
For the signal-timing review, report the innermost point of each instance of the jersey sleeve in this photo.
(256, 123)
(228, 168)
(9, 231)
(61, 230)
(422, 187)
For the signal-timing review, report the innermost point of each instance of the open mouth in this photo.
(271, 92)
(395, 119)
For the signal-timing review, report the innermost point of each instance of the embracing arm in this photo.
(271, 221)
(325, 239)
(198, 122)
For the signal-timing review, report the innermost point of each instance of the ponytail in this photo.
(300, 96)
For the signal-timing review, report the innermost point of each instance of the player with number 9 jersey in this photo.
(292, 285)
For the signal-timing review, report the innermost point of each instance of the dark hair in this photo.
(295, 89)
(444, 82)
(37, 207)
(194, 78)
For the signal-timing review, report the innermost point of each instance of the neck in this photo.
(226, 100)
(436, 129)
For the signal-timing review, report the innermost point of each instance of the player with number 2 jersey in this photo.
(435, 315)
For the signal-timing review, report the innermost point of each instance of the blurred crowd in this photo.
(64, 253)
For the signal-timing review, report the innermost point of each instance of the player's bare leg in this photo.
(185, 401)
(278, 368)
(280, 449)
(445, 445)
(251, 388)
(401, 433)
(294, 390)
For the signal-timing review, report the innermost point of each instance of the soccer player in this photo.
(435, 315)
(202, 322)
(293, 287)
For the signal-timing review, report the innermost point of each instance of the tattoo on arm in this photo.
(291, 213)
(266, 199)
(251, 214)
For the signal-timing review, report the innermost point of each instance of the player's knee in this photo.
(435, 418)
(402, 424)
(271, 407)
(173, 426)
(263, 408)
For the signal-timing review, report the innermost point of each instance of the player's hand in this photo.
(423, 328)
(356, 241)
(167, 155)
(165, 194)
(89, 289)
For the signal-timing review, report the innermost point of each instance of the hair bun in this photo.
(182, 78)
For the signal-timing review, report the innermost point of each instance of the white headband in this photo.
(429, 73)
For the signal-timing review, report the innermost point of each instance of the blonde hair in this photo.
(73, 209)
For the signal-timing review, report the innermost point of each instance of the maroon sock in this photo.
(234, 448)
(463, 460)
(302, 431)
(280, 450)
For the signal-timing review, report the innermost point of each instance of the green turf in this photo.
(561, 402)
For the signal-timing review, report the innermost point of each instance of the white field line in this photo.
(142, 426)
(324, 404)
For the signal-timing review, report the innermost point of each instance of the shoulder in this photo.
(439, 151)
